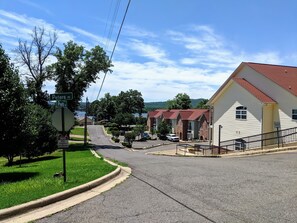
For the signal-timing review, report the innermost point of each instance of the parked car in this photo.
(173, 137)
(145, 135)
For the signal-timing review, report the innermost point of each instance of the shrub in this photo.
(128, 145)
(115, 139)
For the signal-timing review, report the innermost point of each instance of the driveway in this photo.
(183, 189)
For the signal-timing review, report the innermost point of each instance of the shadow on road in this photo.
(107, 147)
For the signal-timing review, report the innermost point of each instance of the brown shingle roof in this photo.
(196, 113)
(253, 90)
(284, 76)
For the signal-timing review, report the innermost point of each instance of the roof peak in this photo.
(266, 64)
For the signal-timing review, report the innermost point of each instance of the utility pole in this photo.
(86, 117)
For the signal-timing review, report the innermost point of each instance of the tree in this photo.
(124, 119)
(181, 101)
(13, 102)
(42, 136)
(202, 104)
(130, 102)
(34, 56)
(163, 129)
(129, 138)
(139, 130)
(76, 68)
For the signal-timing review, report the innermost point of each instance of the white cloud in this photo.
(150, 51)
(95, 38)
(134, 31)
(195, 61)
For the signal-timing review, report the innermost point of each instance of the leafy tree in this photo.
(130, 102)
(105, 108)
(124, 119)
(42, 137)
(35, 55)
(139, 130)
(163, 128)
(13, 101)
(76, 68)
(129, 138)
(202, 104)
(181, 101)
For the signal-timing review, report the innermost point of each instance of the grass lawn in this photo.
(78, 131)
(35, 179)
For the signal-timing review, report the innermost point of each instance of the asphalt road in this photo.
(182, 189)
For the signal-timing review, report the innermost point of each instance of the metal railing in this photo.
(262, 141)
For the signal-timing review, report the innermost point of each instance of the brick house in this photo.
(187, 124)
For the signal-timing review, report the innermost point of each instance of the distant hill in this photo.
(150, 106)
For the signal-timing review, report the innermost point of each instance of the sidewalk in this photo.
(185, 153)
(57, 202)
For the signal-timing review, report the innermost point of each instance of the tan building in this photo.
(255, 99)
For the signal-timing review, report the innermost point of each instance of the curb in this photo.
(22, 208)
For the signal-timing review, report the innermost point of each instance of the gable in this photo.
(261, 96)
(284, 76)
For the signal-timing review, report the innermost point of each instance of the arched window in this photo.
(241, 113)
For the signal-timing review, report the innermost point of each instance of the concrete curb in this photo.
(20, 209)
(152, 146)
(231, 155)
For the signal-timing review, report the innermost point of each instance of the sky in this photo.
(165, 47)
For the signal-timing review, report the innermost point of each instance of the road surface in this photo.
(183, 189)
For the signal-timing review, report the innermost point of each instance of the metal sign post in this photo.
(63, 120)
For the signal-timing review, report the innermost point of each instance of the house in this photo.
(255, 99)
(81, 121)
(187, 124)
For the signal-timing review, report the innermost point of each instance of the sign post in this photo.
(63, 120)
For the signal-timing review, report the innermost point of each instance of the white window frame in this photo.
(241, 113)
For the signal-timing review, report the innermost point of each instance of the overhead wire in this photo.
(105, 31)
(115, 14)
(115, 44)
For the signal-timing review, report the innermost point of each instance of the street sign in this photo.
(63, 142)
(57, 119)
(61, 96)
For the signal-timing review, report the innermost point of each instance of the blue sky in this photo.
(166, 46)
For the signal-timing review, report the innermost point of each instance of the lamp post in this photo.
(86, 117)
(220, 127)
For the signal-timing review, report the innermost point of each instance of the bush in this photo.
(115, 139)
(128, 145)
(111, 125)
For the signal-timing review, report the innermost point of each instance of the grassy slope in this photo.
(78, 131)
(35, 179)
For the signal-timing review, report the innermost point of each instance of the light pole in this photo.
(86, 117)
(220, 126)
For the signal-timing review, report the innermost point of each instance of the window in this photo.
(294, 114)
(240, 144)
(241, 112)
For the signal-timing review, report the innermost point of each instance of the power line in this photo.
(115, 44)
(117, 6)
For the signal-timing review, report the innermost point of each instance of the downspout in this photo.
(262, 128)
(210, 126)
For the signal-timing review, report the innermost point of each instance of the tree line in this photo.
(25, 114)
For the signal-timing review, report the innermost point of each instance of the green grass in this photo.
(78, 131)
(35, 179)
(78, 139)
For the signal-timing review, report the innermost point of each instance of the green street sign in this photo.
(61, 96)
